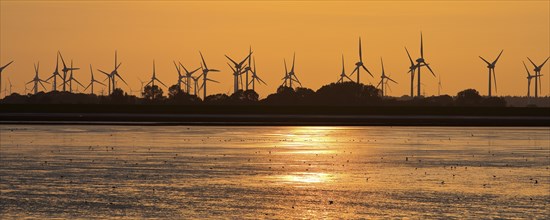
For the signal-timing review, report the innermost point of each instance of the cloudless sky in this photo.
(455, 34)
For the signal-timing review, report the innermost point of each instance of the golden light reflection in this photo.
(307, 177)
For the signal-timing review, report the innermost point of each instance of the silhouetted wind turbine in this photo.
(384, 79)
(154, 78)
(285, 79)
(255, 77)
(113, 75)
(180, 76)
(529, 78)
(343, 75)
(55, 74)
(291, 74)
(196, 84)
(421, 62)
(92, 80)
(188, 75)
(439, 87)
(248, 69)
(71, 78)
(204, 75)
(65, 70)
(37, 79)
(238, 70)
(412, 68)
(2, 69)
(360, 64)
(491, 67)
(538, 85)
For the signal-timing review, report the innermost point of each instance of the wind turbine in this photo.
(9, 81)
(37, 79)
(71, 79)
(196, 84)
(291, 74)
(285, 79)
(491, 67)
(65, 70)
(154, 78)
(238, 70)
(188, 75)
(255, 77)
(204, 75)
(529, 78)
(412, 68)
(55, 74)
(439, 87)
(360, 64)
(421, 62)
(1, 69)
(180, 76)
(537, 74)
(384, 79)
(142, 83)
(92, 81)
(343, 75)
(113, 75)
(249, 69)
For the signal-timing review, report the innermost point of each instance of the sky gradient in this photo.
(455, 34)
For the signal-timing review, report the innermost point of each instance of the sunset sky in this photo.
(455, 34)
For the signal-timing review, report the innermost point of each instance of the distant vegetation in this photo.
(334, 94)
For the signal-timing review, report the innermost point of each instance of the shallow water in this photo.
(274, 172)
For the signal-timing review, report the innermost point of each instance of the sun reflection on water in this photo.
(307, 177)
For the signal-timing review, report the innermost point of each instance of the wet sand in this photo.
(67, 171)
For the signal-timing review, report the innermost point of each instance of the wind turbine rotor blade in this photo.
(204, 63)
(409, 55)
(532, 62)
(121, 79)
(429, 68)
(212, 80)
(6, 65)
(498, 57)
(388, 86)
(390, 79)
(40, 82)
(100, 82)
(347, 77)
(421, 46)
(286, 71)
(540, 67)
(234, 63)
(246, 58)
(232, 69)
(161, 83)
(379, 83)
(259, 79)
(88, 86)
(62, 60)
(293, 59)
(195, 70)
(101, 71)
(78, 82)
(485, 60)
(214, 70)
(527, 70)
(365, 68)
(360, 51)
(354, 70)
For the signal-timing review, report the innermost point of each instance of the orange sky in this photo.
(455, 34)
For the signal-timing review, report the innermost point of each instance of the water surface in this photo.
(275, 172)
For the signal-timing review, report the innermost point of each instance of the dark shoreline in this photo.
(273, 115)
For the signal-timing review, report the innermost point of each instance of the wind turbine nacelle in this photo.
(359, 63)
(536, 69)
(420, 60)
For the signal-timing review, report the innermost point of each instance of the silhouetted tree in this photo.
(494, 102)
(174, 91)
(468, 97)
(244, 97)
(217, 99)
(348, 93)
(152, 93)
